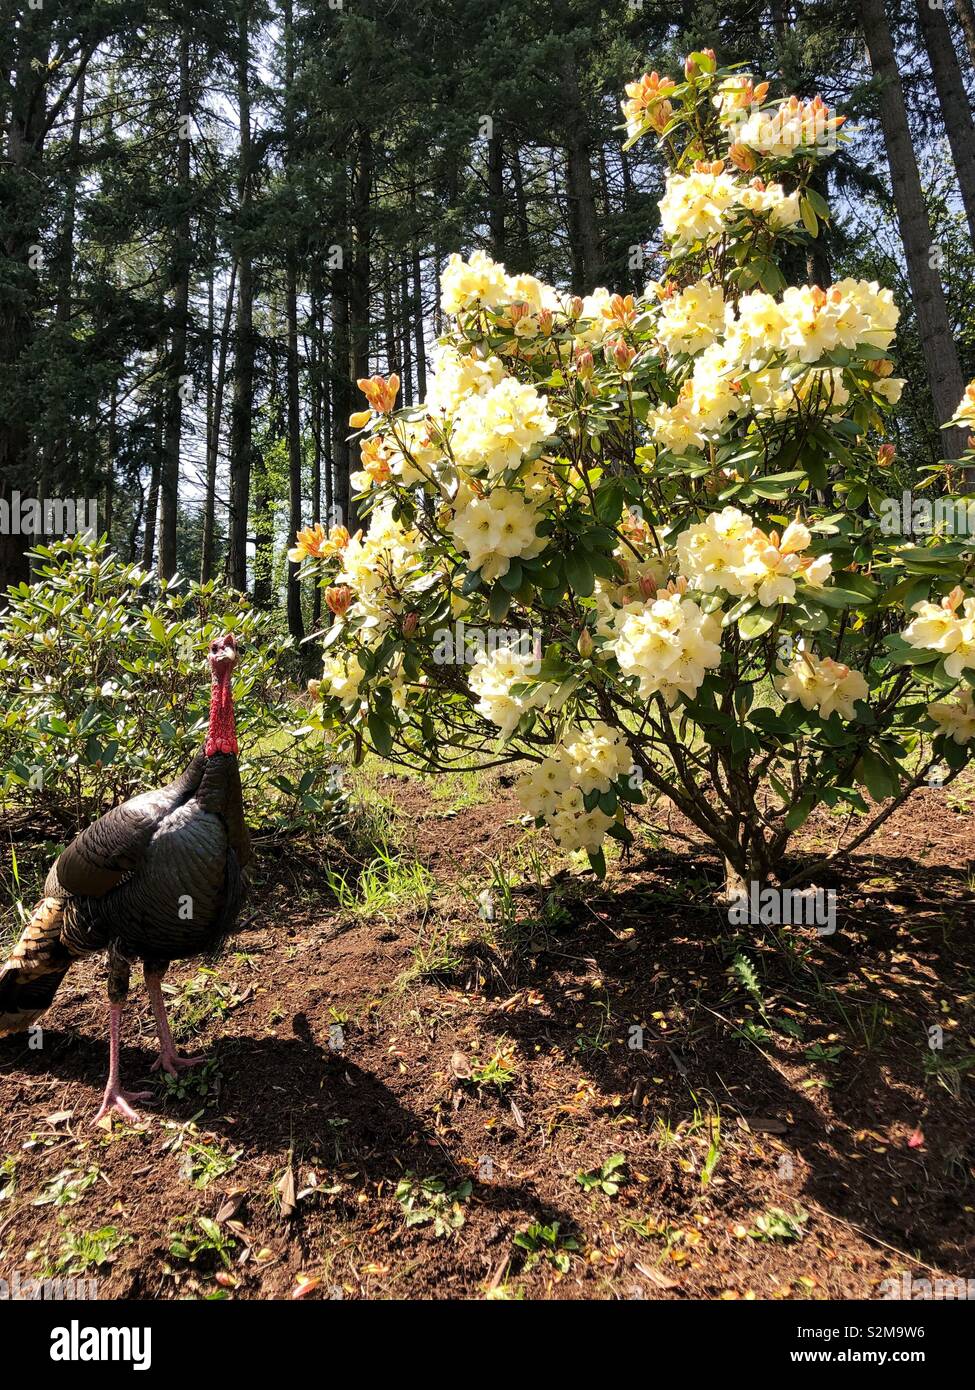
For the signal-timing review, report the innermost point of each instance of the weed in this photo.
(546, 1242)
(84, 1250)
(776, 1224)
(499, 1070)
(8, 1177)
(203, 1163)
(66, 1187)
(428, 1200)
(389, 882)
(202, 1247)
(608, 1179)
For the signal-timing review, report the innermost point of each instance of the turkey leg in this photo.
(115, 1098)
(167, 1059)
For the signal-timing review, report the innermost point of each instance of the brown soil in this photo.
(831, 1108)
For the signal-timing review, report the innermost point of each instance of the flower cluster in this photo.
(728, 551)
(496, 428)
(965, 414)
(377, 566)
(668, 643)
(793, 127)
(555, 789)
(941, 627)
(491, 529)
(761, 357)
(956, 720)
(824, 685)
(492, 677)
(700, 206)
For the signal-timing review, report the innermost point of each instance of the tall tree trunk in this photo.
(66, 266)
(21, 233)
(390, 318)
(416, 312)
(495, 171)
(213, 437)
(111, 445)
(360, 279)
(296, 626)
(406, 314)
(953, 100)
(581, 204)
(242, 406)
(152, 499)
(181, 257)
(940, 357)
(965, 11)
(339, 363)
(316, 386)
(521, 261)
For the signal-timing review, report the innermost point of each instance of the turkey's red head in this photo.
(222, 733)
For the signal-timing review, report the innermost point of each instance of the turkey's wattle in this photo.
(222, 732)
(156, 879)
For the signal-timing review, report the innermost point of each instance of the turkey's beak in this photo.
(226, 651)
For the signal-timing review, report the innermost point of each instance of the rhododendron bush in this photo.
(633, 543)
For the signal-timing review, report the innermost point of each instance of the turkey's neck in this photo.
(222, 733)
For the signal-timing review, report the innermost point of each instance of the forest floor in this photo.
(552, 1089)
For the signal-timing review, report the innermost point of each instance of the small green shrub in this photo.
(104, 689)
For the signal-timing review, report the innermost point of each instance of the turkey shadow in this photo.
(280, 1095)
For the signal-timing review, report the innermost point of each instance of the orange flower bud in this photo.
(338, 598)
(583, 362)
(886, 455)
(647, 586)
(380, 392)
(742, 157)
(411, 621)
(623, 354)
(660, 115)
(622, 309)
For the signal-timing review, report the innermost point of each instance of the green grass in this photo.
(388, 883)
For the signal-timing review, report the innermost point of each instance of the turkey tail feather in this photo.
(39, 962)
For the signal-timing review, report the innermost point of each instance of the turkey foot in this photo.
(168, 1060)
(115, 1098)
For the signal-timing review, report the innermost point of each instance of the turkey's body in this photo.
(153, 880)
(183, 892)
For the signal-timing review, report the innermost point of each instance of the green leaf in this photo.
(597, 861)
(876, 775)
(499, 602)
(380, 733)
(579, 573)
(756, 623)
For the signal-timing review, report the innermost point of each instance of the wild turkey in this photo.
(155, 879)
